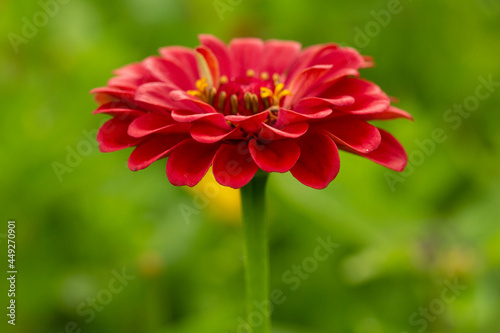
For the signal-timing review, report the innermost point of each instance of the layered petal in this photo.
(368, 97)
(345, 61)
(188, 102)
(214, 130)
(154, 123)
(246, 54)
(113, 135)
(221, 52)
(157, 94)
(302, 61)
(249, 124)
(390, 153)
(187, 116)
(109, 94)
(131, 76)
(286, 117)
(169, 72)
(353, 133)
(314, 103)
(184, 58)
(233, 166)
(153, 149)
(319, 161)
(189, 162)
(278, 56)
(391, 113)
(119, 109)
(208, 62)
(291, 131)
(304, 82)
(275, 156)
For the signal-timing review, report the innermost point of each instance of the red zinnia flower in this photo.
(248, 106)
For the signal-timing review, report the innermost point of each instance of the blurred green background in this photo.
(83, 218)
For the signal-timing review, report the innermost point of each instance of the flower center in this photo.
(244, 95)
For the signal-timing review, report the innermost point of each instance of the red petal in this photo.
(209, 132)
(184, 58)
(118, 108)
(155, 123)
(250, 124)
(315, 102)
(191, 103)
(294, 130)
(246, 53)
(212, 63)
(345, 61)
(279, 55)
(117, 112)
(233, 166)
(390, 153)
(369, 98)
(353, 133)
(113, 135)
(286, 117)
(153, 149)
(114, 92)
(131, 76)
(157, 94)
(391, 113)
(169, 72)
(302, 61)
(304, 82)
(275, 156)
(319, 161)
(322, 56)
(186, 116)
(189, 162)
(220, 51)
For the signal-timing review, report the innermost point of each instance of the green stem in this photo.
(256, 255)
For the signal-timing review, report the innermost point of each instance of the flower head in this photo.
(247, 106)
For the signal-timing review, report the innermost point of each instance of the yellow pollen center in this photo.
(202, 89)
(277, 95)
(269, 99)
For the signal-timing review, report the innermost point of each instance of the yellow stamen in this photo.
(276, 96)
(266, 92)
(255, 103)
(264, 76)
(270, 99)
(278, 88)
(195, 93)
(281, 92)
(248, 97)
(234, 104)
(222, 100)
(211, 95)
(203, 91)
(204, 70)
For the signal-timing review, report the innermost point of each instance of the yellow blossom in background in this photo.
(220, 202)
